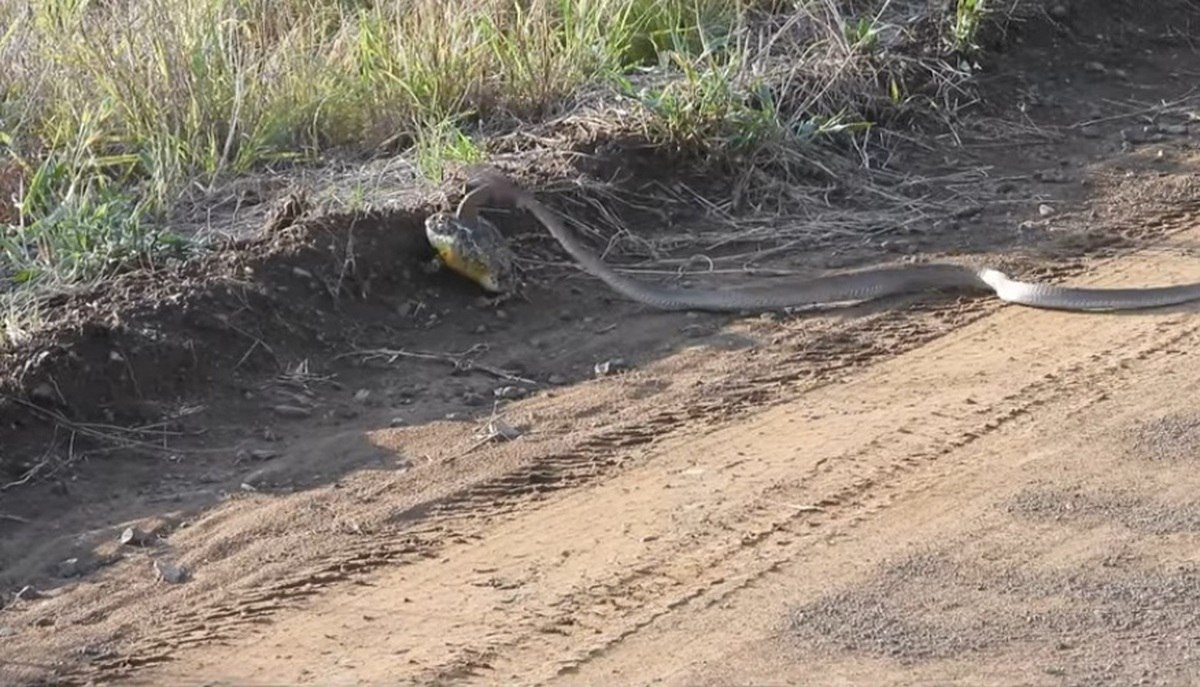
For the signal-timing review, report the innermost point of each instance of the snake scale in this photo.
(847, 287)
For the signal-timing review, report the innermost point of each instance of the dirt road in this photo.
(1012, 503)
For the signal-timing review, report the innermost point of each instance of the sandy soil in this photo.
(927, 490)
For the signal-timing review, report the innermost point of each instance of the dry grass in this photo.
(113, 111)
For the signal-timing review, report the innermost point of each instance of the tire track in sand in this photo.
(689, 523)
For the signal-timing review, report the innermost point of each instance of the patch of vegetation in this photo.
(112, 111)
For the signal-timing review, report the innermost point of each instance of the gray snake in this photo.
(831, 289)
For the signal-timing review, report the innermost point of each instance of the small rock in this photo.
(1094, 67)
(609, 366)
(44, 393)
(263, 454)
(28, 593)
(268, 434)
(556, 379)
(7, 631)
(510, 392)
(132, 536)
(1045, 210)
(362, 395)
(404, 309)
(1059, 11)
(1132, 135)
(170, 572)
(292, 411)
(301, 272)
(396, 422)
(481, 329)
(70, 568)
(499, 429)
(1051, 176)
(501, 315)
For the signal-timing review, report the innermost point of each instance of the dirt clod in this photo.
(132, 536)
(171, 573)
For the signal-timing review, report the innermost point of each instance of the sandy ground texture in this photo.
(927, 490)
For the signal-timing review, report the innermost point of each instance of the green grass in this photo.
(968, 17)
(111, 111)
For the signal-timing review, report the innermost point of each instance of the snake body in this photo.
(846, 287)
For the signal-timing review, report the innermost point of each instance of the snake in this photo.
(848, 287)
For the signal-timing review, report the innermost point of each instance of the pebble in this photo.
(609, 366)
(396, 422)
(70, 568)
(502, 430)
(44, 393)
(292, 411)
(510, 392)
(1051, 176)
(132, 536)
(170, 572)
(362, 395)
(1045, 210)
(7, 631)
